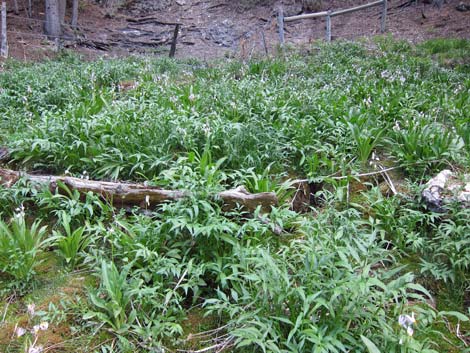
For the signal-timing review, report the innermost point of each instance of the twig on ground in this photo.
(388, 180)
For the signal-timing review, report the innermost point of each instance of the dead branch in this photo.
(151, 19)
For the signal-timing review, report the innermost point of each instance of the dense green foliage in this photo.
(336, 280)
(294, 115)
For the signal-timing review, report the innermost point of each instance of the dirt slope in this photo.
(217, 28)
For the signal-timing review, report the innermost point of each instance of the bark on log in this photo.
(128, 194)
(240, 196)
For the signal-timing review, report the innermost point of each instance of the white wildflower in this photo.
(43, 326)
(35, 349)
(206, 128)
(20, 331)
(407, 322)
(19, 211)
(409, 331)
(374, 156)
(396, 127)
(31, 309)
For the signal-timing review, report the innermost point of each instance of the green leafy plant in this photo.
(20, 247)
(112, 301)
(66, 202)
(425, 147)
(193, 275)
(366, 141)
(70, 244)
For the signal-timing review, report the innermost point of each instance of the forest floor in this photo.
(215, 29)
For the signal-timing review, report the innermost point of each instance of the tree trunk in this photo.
(15, 7)
(3, 30)
(74, 14)
(62, 10)
(52, 23)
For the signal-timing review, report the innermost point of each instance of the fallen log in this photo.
(122, 194)
(241, 197)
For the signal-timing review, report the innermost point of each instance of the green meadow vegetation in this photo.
(360, 270)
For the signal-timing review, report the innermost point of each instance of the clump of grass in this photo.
(451, 52)
(20, 247)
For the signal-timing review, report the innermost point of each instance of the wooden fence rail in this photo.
(329, 14)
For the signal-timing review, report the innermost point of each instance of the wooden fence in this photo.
(329, 14)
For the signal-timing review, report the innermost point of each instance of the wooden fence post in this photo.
(280, 23)
(4, 43)
(383, 22)
(173, 42)
(263, 41)
(328, 27)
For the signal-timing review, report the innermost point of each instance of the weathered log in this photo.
(240, 196)
(130, 194)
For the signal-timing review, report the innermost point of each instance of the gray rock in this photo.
(223, 34)
(445, 189)
(463, 7)
(292, 10)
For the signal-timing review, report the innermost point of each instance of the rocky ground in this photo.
(225, 28)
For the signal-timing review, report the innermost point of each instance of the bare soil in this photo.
(223, 28)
